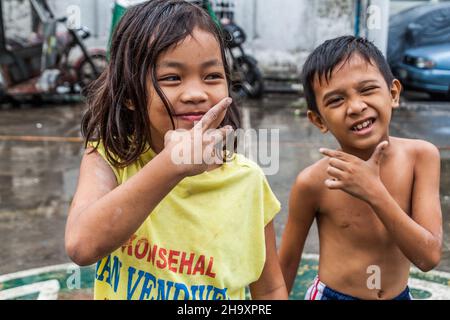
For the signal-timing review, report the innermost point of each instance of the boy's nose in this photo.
(356, 107)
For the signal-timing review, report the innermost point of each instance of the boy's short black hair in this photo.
(324, 59)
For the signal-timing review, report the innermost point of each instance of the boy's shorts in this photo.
(319, 291)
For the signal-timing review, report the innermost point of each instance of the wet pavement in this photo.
(40, 156)
(300, 141)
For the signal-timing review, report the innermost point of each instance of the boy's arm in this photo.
(270, 285)
(419, 237)
(302, 209)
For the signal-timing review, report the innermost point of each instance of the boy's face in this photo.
(355, 105)
(192, 77)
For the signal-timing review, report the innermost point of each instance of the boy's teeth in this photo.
(363, 125)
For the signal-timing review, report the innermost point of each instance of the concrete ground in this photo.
(40, 153)
(300, 141)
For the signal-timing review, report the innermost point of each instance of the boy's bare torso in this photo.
(358, 256)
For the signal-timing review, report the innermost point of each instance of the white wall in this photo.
(17, 19)
(261, 20)
(94, 14)
(280, 32)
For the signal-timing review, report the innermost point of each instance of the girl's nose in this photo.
(194, 94)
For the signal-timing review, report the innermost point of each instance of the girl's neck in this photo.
(157, 147)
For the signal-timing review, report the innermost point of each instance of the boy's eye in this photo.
(334, 101)
(169, 78)
(368, 89)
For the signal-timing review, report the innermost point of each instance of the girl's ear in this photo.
(317, 120)
(396, 89)
(129, 105)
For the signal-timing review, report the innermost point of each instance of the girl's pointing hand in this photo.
(199, 149)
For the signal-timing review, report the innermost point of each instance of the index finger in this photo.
(335, 154)
(208, 119)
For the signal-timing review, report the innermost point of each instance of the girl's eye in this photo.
(169, 78)
(214, 76)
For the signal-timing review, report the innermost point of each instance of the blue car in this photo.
(426, 69)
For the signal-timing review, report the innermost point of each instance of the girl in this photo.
(159, 230)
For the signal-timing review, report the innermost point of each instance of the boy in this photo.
(376, 200)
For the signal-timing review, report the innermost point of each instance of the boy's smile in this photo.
(355, 105)
(363, 127)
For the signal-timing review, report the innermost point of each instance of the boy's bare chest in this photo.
(345, 211)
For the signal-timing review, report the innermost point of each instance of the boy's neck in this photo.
(363, 154)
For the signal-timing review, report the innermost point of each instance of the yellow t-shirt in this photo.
(203, 241)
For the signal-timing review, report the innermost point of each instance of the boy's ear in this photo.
(317, 120)
(396, 89)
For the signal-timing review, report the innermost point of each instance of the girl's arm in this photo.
(104, 215)
(270, 285)
(300, 218)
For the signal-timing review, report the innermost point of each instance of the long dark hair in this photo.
(144, 32)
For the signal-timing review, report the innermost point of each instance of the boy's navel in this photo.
(345, 225)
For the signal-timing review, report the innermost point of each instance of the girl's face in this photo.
(192, 77)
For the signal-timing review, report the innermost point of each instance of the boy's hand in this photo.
(351, 174)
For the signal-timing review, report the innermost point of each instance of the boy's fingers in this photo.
(338, 164)
(213, 114)
(334, 184)
(335, 173)
(378, 153)
(334, 154)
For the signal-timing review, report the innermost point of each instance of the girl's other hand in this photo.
(199, 149)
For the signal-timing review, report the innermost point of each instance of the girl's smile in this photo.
(192, 77)
(191, 117)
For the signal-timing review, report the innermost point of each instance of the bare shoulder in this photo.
(96, 172)
(417, 149)
(311, 178)
(96, 179)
